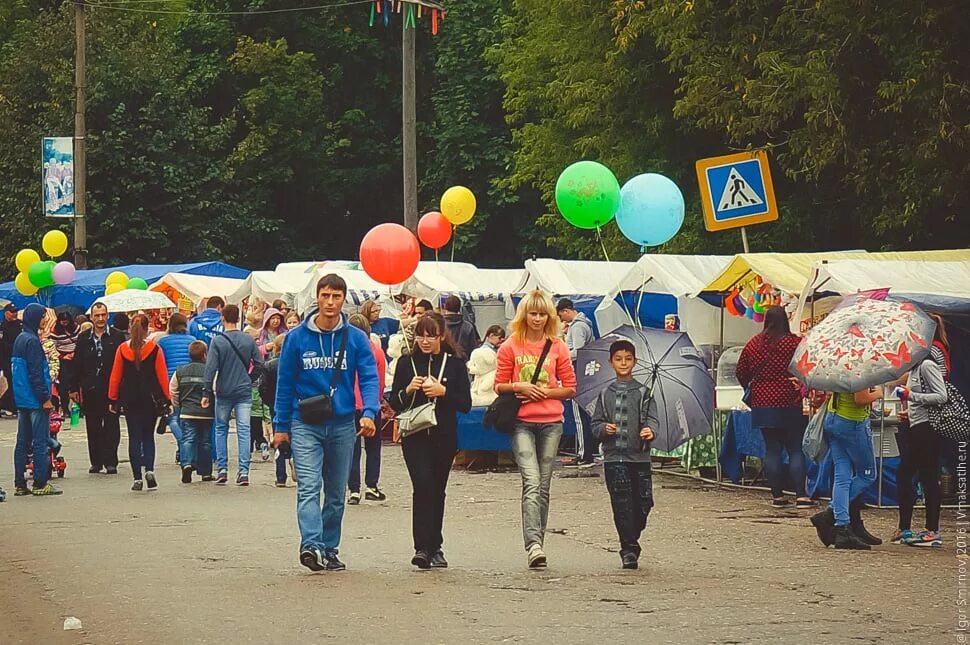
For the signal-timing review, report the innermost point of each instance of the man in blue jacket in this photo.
(32, 393)
(208, 324)
(321, 359)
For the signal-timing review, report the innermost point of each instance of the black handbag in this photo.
(318, 409)
(503, 413)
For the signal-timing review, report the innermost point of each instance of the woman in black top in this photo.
(430, 453)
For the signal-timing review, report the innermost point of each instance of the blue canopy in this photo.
(88, 285)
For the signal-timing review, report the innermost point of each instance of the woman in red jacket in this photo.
(139, 386)
(776, 405)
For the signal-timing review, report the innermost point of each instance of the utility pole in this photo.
(409, 135)
(80, 131)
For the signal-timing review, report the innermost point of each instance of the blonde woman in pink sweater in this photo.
(535, 441)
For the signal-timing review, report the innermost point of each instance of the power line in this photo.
(116, 6)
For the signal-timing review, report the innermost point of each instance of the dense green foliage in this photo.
(263, 138)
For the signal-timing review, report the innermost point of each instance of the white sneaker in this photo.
(537, 557)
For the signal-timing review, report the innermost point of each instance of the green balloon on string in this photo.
(41, 274)
(587, 194)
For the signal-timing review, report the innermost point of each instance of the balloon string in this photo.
(599, 236)
(453, 242)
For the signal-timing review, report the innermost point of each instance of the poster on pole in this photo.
(58, 176)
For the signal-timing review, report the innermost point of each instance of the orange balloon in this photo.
(390, 253)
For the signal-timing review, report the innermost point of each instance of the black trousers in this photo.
(631, 495)
(429, 456)
(104, 435)
(256, 436)
(6, 401)
(919, 449)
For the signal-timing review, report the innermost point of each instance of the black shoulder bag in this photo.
(319, 409)
(254, 370)
(503, 412)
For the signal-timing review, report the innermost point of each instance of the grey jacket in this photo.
(639, 413)
(579, 335)
(233, 381)
(927, 389)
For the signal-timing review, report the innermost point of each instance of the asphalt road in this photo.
(208, 564)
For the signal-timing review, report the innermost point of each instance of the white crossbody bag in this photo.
(422, 417)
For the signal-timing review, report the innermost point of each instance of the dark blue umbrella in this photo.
(673, 371)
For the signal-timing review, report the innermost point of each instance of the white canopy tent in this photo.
(681, 276)
(937, 285)
(195, 288)
(574, 277)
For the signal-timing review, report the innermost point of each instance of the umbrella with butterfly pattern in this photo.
(863, 343)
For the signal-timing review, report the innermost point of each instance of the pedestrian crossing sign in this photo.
(736, 190)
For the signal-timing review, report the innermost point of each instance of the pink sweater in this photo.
(517, 363)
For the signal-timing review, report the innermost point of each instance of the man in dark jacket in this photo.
(10, 328)
(233, 355)
(463, 332)
(94, 358)
(31, 385)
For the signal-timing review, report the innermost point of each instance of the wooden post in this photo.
(80, 131)
(744, 240)
(409, 134)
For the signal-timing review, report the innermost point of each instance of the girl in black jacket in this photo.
(430, 453)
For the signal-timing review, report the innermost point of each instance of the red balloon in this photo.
(390, 253)
(434, 230)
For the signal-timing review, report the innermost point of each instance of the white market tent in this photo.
(194, 288)
(941, 286)
(681, 276)
(574, 277)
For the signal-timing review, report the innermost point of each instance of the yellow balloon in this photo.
(458, 205)
(25, 258)
(117, 277)
(55, 243)
(114, 287)
(23, 284)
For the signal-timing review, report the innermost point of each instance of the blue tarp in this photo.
(472, 435)
(88, 285)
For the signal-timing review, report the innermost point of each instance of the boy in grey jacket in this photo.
(622, 419)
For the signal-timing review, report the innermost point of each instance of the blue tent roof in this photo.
(88, 285)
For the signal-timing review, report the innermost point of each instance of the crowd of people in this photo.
(319, 390)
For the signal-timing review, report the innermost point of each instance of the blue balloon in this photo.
(651, 209)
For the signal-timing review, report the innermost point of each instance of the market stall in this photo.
(189, 291)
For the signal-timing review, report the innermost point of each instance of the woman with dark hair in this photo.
(139, 387)
(64, 335)
(776, 405)
(920, 444)
(433, 372)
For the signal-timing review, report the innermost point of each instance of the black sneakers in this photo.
(312, 559)
(438, 560)
(421, 559)
(333, 562)
(137, 485)
(629, 560)
(374, 494)
(824, 524)
(150, 480)
(846, 539)
(186, 474)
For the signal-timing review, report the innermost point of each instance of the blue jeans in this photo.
(372, 471)
(321, 456)
(534, 446)
(224, 407)
(141, 441)
(33, 430)
(175, 428)
(196, 447)
(855, 465)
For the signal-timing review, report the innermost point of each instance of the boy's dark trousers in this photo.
(631, 494)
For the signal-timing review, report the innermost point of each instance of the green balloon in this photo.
(138, 283)
(588, 194)
(41, 274)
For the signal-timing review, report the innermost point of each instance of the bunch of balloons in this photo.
(35, 274)
(751, 302)
(458, 206)
(119, 281)
(649, 209)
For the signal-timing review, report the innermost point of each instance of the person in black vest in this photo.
(94, 357)
(10, 328)
(187, 387)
